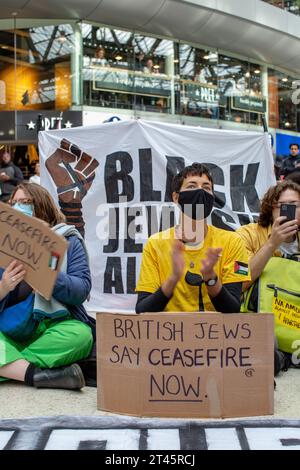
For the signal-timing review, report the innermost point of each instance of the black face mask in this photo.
(196, 203)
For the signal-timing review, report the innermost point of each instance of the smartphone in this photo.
(289, 210)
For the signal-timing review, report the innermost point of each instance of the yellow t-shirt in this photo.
(255, 237)
(156, 266)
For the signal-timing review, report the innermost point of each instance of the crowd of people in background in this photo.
(141, 63)
(115, 66)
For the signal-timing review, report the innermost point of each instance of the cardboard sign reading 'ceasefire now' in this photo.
(34, 244)
(192, 365)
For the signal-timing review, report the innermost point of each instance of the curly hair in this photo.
(272, 197)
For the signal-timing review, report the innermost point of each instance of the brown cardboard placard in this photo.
(186, 365)
(34, 244)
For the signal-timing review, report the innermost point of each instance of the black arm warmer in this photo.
(229, 298)
(227, 301)
(147, 302)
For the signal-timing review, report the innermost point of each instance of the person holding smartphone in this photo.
(277, 231)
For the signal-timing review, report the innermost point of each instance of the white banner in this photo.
(114, 180)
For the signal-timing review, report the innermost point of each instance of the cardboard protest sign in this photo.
(191, 365)
(34, 244)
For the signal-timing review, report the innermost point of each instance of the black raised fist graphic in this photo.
(73, 172)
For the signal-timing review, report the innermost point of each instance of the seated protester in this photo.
(193, 266)
(272, 235)
(46, 356)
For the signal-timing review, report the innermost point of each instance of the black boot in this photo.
(70, 377)
(89, 368)
(282, 361)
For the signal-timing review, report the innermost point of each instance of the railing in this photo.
(128, 81)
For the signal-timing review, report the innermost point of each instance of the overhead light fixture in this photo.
(257, 71)
(156, 66)
(62, 36)
(118, 57)
(176, 61)
(247, 74)
(211, 56)
(287, 124)
(284, 79)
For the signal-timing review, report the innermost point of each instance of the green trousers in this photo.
(55, 344)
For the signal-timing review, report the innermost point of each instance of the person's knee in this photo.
(71, 341)
(82, 335)
(72, 335)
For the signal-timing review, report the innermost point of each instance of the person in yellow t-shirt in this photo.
(272, 235)
(193, 266)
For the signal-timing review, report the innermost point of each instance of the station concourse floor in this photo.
(20, 401)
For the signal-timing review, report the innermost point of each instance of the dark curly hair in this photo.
(196, 169)
(272, 197)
